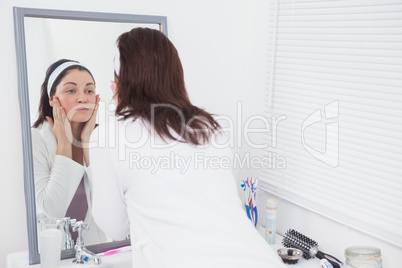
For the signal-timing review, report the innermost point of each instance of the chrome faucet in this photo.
(82, 255)
(68, 241)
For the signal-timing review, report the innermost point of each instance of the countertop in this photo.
(120, 260)
(123, 260)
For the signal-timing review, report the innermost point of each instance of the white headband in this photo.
(116, 62)
(53, 76)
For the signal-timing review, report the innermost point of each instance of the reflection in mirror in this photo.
(42, 38)
(92, 43)
(62, 180)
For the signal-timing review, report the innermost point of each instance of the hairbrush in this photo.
(294, 239)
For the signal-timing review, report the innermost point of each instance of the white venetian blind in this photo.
(335, 89)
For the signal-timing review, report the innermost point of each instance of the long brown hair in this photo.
(151, 86)
(44, 106)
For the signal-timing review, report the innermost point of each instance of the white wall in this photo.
(221, 44)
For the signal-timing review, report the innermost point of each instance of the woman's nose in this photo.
(82, 97)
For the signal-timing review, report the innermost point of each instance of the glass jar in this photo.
(363, 257)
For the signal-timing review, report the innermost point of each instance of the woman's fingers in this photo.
(95, 110)
(60, 125)
(56, 110)
(50, 120)
(97, 103)
(62, 114)
(97, 100)
(90, 124)
(59, 114)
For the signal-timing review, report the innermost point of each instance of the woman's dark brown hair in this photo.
(44, 106)
(151, 86)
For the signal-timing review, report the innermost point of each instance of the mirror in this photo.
(45, 36)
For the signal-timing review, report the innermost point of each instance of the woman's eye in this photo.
(70, 91)
(90, 91)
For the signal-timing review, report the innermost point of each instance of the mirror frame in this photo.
(23, 94)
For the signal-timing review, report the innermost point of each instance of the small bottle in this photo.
(270, 222)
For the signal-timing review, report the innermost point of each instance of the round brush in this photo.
(294, 239)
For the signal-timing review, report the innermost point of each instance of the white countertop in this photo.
(120, 260)
(123, 260)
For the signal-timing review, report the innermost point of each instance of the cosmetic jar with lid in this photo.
(363, 257)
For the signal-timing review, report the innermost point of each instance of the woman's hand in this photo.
(87, 131)
(61, 128)
(89, 126)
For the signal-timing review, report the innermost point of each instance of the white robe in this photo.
(180, 203)
(56, 180)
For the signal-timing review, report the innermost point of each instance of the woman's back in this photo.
(182, 202)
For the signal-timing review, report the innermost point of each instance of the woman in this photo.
(167, 181)
(67, 117)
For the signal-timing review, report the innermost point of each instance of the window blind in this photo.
(335, 80)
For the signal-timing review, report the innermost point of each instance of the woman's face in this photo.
(76, 93)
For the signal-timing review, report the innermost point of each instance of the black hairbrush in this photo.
(294, 239)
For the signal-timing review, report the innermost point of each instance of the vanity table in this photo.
(123, 260)
(119, 260)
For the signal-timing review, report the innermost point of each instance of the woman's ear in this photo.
(113, 87)
(51, 101)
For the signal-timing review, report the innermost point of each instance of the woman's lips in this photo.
(84, 107)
